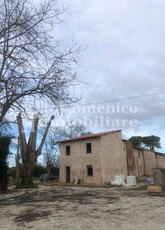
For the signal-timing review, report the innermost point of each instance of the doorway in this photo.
(68, 174)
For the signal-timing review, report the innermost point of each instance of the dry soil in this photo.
(79, 208)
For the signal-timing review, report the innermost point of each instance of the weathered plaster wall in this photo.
(79, 159)
(139, 162)
(161, 160)
(108, 159)
(131, 163)
(150, 162)
(110, 156)
(113, 156)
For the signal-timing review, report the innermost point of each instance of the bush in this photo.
(38, 170)
(4, 152)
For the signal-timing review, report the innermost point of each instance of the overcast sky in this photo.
(124, 57)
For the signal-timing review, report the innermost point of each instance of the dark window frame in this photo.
(88, 147)
(89, 170)
(67, 150)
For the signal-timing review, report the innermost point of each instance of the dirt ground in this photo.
(79, 208)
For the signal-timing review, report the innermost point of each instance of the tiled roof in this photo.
(149, 150)
(90, 136)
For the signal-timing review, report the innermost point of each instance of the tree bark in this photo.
(17, 177)
(28, 168)
(29, 153)
(49, 169)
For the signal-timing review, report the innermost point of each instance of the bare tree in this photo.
(33, 64)
(51, 151)
(50, 156)
(70, 130)
(28, 149)
(75, 129)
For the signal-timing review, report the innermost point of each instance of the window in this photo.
(68, 150)
(89, 170)
(88, 148)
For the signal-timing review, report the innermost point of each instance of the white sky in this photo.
(124, 57)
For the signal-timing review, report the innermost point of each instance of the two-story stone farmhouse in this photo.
(98, 158)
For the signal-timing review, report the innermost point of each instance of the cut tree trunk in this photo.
(29, 154)
(28, 168)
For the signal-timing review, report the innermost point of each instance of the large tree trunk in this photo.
(27, 178)
(28, 150)
(17, 175)
(28, 168)
(49, 169)
(17, 162)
